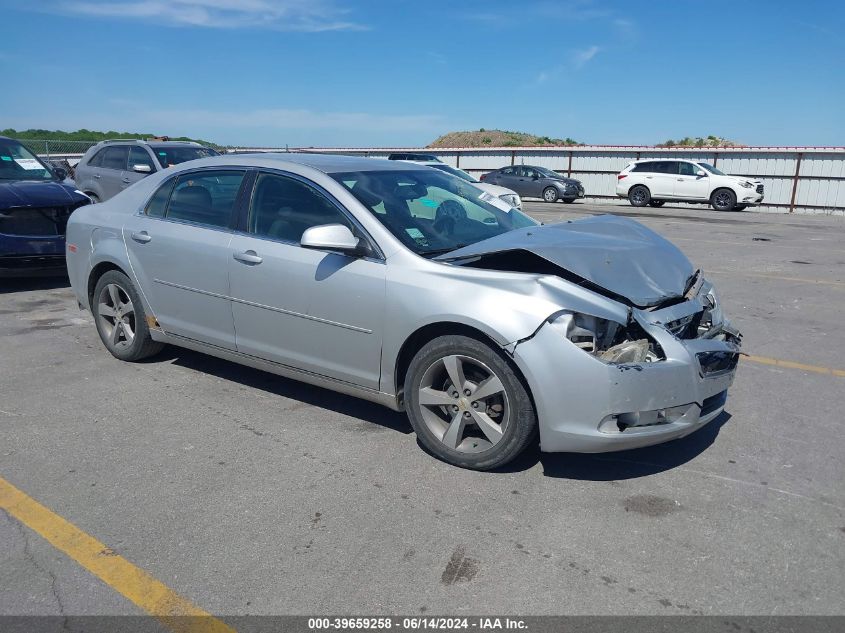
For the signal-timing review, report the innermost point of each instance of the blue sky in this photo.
(401, 72)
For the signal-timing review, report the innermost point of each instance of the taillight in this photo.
(621, 176)
(483, 176)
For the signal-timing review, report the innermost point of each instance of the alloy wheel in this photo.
(464, 404)
(117, 316)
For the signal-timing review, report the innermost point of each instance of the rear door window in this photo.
(206, 198)
(115, 157)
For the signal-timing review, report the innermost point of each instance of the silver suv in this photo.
(111, 166)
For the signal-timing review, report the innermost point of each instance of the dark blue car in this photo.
(35, 205)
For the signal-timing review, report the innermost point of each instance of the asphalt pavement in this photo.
(247, 493)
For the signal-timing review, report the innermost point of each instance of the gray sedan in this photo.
(536, 182)
(412, 288)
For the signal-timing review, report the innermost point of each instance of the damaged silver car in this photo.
(412, 288)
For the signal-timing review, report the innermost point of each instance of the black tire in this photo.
(723, 200)
(569, 200)
(639, 196)
(656, 203)
(118, 343)
(550, 194)
(740, 207)
(519, 419)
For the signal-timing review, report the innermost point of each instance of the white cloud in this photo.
(580, 58)
(287, 15)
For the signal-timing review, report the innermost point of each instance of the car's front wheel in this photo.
(467, 404)
(639, 196)
(120, 318)
(723, 200)
(550, 194)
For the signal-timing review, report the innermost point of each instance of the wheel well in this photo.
(427, 333)
(99, 270)
(718, 189)
(639, 184)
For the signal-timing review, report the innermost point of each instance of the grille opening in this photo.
(38, 222)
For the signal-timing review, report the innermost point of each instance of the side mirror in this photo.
(142, 169)
(701, 173)
(331, 237)
(60, 173)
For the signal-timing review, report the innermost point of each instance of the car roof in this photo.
(326, 163)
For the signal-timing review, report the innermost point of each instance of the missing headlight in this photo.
(609, 341)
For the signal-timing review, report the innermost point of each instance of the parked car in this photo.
(511, 198)
(399, 284)
(111, 166)
(536, 182)
(35, 205)
(415, 156)
(655, 182)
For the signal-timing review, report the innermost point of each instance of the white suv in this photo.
(655, 182)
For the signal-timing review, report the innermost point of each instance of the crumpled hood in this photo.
(37, 193)
(617, 254)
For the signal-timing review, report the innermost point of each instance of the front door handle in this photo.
(96, 175)
(141, 237)
(248, 257)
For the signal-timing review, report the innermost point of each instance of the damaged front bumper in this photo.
(587, 405)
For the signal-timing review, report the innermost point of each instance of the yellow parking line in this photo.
(171, 609)
(763, 360)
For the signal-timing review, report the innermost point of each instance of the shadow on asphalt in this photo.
(617, 466)
(286, 388)
(9, 285)
(631, 464)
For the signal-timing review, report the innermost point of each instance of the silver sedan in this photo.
(412, 288)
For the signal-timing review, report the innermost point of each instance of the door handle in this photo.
(141, 237)
(126, 180)
(96, 175)
(248, 257)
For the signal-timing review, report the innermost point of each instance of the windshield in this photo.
(432, 212)
(460, 173)
(18, 163)
(168, 156)
(712, 169)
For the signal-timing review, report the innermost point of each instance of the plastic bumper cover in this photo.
(585, 405)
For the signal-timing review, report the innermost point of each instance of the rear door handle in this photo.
(248, 257)
(141, 236)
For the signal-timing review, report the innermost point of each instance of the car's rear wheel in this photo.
(550, 194)
(120, 318)
(639, 196)
(656, 203)
(723, 200)
(740, 207)
(467, 404)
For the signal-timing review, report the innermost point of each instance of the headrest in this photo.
(194, 195)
